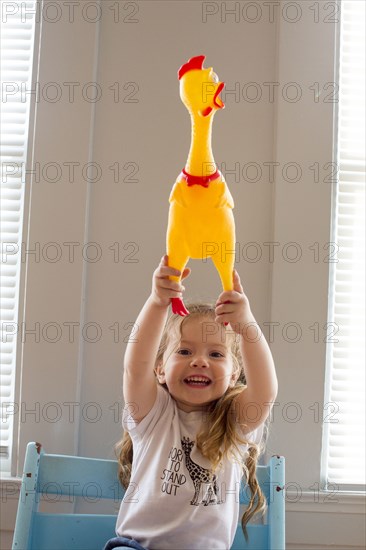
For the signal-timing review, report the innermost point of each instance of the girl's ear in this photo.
(160, 373)
(233, 379)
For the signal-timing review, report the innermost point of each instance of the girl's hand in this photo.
(233, 307)
(163, 289)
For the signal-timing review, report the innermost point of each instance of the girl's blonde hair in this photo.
(218, 438)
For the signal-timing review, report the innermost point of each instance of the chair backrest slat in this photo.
(98, 478)
(77, 476)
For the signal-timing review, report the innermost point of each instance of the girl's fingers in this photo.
(228, 298)
(171, 285)
(224, 310)
(173, 294)
(237, 283)
(166, 271)
(164, 260)
(234, 295)
(169, 292)
(164, 266)
(186, 272)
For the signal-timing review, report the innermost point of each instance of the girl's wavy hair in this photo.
(218, 438)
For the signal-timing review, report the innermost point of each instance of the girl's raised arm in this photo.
(139, 382)
(259, 368)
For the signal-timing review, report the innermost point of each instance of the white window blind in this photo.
(17, 45)
(344, 429)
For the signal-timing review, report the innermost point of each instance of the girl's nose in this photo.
(199, 361)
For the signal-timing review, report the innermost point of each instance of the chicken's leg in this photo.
(178, 261)
(225, 268)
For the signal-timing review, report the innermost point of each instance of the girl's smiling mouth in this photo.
(197, 381)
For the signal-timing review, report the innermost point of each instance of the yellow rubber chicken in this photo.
(201, 222)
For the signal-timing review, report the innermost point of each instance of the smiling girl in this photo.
(190, 386)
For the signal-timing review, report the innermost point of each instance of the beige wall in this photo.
(150, 136)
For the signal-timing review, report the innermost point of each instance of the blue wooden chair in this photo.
(47, 474)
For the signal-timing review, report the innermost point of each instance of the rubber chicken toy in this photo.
(201, 221)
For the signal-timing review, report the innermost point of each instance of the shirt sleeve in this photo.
(138, 430)
(256, 435)
(253, 437)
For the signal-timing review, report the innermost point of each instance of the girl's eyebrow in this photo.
(214, 345)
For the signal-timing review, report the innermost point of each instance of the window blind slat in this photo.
(345, 448)
(17, 45)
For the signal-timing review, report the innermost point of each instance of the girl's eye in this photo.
(217, 354)
(183, 351)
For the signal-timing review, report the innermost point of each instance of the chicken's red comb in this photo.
(193, 63)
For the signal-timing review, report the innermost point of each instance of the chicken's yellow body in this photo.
(201, 222)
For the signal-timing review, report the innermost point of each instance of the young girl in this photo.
(197, 392)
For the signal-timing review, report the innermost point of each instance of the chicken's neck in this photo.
(200, 160)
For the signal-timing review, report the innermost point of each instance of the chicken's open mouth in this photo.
(197, 381)
(217, 100)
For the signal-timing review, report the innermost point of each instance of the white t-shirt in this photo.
(174, 500)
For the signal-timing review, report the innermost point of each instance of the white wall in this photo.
(142, 51)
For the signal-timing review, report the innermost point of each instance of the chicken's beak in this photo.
(217, 100)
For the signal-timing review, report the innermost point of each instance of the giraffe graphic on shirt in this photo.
(201, 477)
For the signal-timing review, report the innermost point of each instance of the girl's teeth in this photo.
(204, 382)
